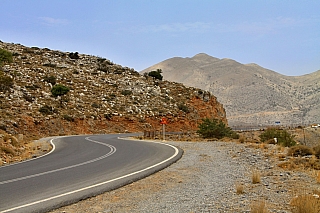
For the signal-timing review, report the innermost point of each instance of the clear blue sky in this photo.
(281, 35)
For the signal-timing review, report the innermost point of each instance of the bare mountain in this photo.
(251, 95)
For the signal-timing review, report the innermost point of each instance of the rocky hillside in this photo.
(250, 94)
(102, 96)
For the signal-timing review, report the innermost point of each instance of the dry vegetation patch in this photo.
(19, 148)
(306, 203)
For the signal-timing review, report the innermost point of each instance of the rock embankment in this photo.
(104, 97)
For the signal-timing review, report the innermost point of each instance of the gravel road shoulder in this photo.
(206, 179)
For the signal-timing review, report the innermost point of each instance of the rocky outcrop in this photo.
(104, 97)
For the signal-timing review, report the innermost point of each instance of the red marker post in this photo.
(164, 122)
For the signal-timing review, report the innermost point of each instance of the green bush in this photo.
(6, 82)
(5, 56)
(214, 128)
(59, 90)
(156, 74)
(283, 137)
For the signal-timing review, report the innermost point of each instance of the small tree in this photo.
(214, 128)
(156, 74)
(59, 90)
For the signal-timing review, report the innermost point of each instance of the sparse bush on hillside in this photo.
(47, 110)
(108, 116)
(50, 79)
(183, 108)
(156, 74)
(95, 105)
(52, 65)
(74, 55)
(6, 82)
(68, 118)
(5, 56)
(126, 92)
(28, 98)
(59, 90)
(32, 87)
(104, 65)
(214, 128)
(283, 137)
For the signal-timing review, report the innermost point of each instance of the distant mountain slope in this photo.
(251, 94)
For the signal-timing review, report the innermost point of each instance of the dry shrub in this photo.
(305, 204)
(242, 139)
(270, 141)
(7, 150)
(239, 188)
(6, 138)
(300, 150)
(290, 165)
(14, 141)
(282, 157)
(302, 163)
(316, 150)
(263, 146)
(259, 207)
(256, 176)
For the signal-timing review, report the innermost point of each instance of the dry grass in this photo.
(242, 139)
(300, 150)
(256, 176)
(7, 150)
(239, 188)
(318, 177)
(301, 163)
(305, 203)
(259, 207)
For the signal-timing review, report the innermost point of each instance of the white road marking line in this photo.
(98, 184)
(112, 151)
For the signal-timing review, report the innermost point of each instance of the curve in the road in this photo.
(74, 194)
(112, 150)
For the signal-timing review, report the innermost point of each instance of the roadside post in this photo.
(164, 122)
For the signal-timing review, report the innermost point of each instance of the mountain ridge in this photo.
(265, 96)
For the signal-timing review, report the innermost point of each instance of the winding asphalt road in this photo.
(80, 167)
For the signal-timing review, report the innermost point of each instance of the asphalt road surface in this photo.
(80, 167)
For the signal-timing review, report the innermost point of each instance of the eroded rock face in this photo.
(104, 97)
